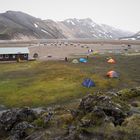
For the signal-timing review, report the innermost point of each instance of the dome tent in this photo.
(83, 60)
(75, 61)
(112, 74)
(111, 61)
(88, 83)
(95, 53)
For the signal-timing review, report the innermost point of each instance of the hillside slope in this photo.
(19, 25)
(86, 28)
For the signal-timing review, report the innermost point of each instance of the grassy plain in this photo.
(57, 82)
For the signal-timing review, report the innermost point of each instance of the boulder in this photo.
(20, 131)
(103, 106)
(14, 122)
(127, 94)
(12, 117)
(96, 111)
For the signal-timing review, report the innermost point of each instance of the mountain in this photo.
(19, 25)
(133, 37)
(86, 28)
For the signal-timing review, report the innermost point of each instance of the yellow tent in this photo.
(95, 52)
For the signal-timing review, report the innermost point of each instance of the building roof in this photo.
(14, 50)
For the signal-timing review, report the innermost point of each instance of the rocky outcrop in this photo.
(96, 111)
(11, 117)
(19, 131)
(19, 123)
(103, 106)
(99, 116)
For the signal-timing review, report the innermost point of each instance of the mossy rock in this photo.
(127, 94)
(105, 128)
(92, 119)
(65, 119)
(39, 123)
(132, 122)
(135, 103)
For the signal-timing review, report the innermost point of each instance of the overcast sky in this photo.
(123, 14)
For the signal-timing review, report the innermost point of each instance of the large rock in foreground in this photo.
(104, 106)
(99, 116)
(15, 122)
(97, 111)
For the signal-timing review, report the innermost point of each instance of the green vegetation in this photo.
(56, 82)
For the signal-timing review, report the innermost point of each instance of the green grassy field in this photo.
(56, 82)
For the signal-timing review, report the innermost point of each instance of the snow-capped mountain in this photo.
(133, 37)
(86, 28)
(19, 25)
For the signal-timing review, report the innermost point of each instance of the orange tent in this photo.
(112, 74)
(111, 61)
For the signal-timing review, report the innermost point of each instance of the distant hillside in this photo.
(133, 37)
(19, 25)
(86, 28)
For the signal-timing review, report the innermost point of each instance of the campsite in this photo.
(70, 90)
(73, 91)
(70, 70)
(45, 83)
(48, 99)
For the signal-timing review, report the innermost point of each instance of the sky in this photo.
(123, 14)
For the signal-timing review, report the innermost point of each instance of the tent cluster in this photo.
(90, 83)
(87, 82)
(112, 74)
(81, 60)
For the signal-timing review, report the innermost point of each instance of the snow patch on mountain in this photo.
(35, 25)
(44, 31)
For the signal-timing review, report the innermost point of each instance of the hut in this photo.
(14, 53)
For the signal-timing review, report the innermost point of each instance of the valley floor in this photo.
(45, 100)
(47, 83)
